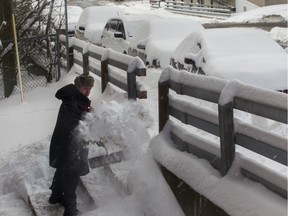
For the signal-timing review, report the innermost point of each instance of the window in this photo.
(120, 27)
(113, 25)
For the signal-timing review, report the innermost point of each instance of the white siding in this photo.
(241, 5)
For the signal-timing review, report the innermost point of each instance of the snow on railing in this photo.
(221, 122)
(117, 68)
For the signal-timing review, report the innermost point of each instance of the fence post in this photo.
(58, 57)
(226, 127)
(163, 102)
(70, 59)
(104, 74)
(85, 59)
(131, 85)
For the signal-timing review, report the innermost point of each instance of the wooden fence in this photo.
(228, 96)
(155, 3)
(105, 63)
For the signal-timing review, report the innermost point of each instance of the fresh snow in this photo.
(26, 129)
(273, 13)
(245, 54)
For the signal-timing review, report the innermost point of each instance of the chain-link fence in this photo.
(40, 64)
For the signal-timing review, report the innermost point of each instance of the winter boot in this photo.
(71, 212)
(56, 198)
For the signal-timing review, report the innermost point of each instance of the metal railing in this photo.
(202, 9)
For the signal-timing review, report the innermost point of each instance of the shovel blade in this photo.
(104, 160)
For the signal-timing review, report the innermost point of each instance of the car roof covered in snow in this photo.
(162, 36)
(246, 54)
(93, 19)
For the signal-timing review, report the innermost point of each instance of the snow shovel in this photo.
(107, 159)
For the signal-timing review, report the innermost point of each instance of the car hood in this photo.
(248, 55)
(270, 74)
(161, 50)
(161, 37)
(93, 33)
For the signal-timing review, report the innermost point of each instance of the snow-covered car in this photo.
(74, 13)
(119, 30)
(156, 40)
(245, 54)
(92, 21)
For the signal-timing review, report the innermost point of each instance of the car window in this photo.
(120, 27)
(113, 25)
(133, 26)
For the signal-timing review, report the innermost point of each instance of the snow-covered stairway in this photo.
(102, 183)
(39, 205)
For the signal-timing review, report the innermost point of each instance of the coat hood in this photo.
(70, 91)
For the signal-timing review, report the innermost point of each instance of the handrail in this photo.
(221, 122)
(133, 66)
(188, 7)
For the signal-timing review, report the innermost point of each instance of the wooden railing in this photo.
(213, 10)
(155, 3)
(228, 96)
(105, 63)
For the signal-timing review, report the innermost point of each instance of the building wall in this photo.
(273, 2)
(262, 3)
(259, 3)
(231, 2)
(244, 5)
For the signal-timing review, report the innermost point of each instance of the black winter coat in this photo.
(66, 150)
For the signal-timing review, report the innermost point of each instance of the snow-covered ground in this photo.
(26, 129)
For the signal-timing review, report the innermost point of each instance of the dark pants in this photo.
(64, 186)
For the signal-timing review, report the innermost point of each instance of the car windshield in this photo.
(132, 26)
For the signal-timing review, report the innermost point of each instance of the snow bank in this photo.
(237, 195)
(151, 189)
(273, 13)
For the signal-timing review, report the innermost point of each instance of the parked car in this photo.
(92, 21)
(74, 13)
(156, 40)
(119, 31)
(246, 54)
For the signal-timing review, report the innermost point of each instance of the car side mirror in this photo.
(118, 35)
(141, 46)
(81, 28)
